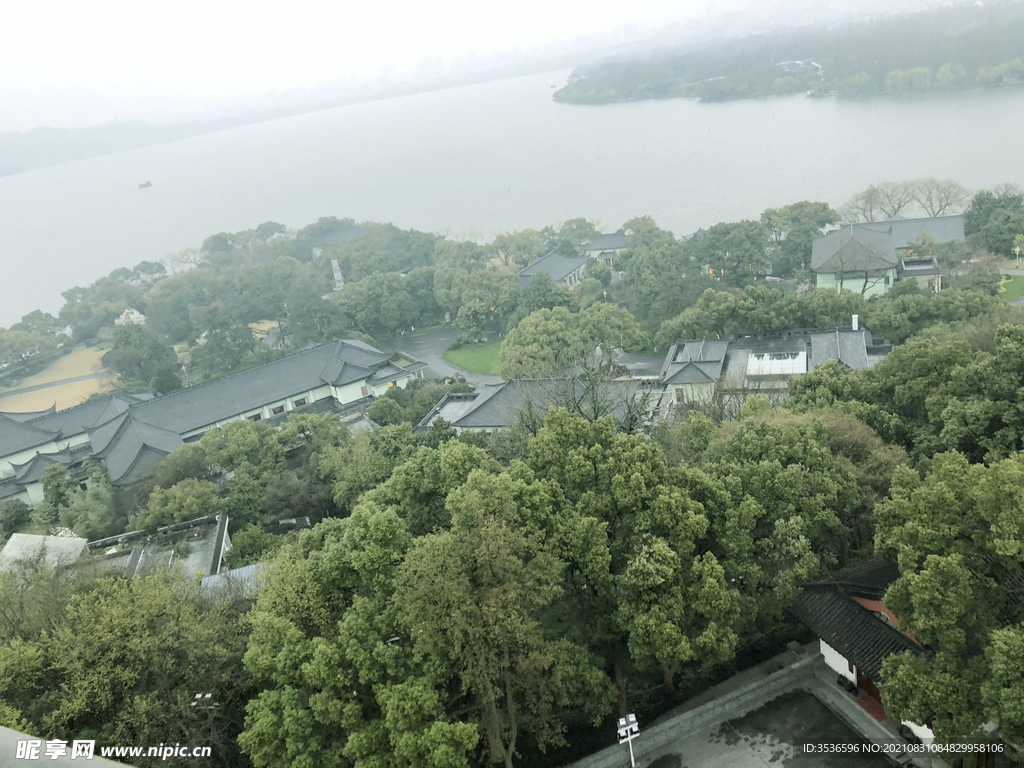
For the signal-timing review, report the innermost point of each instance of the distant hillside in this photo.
(937, 49)
(41, 147)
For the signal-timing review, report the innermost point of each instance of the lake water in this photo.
(481, 159)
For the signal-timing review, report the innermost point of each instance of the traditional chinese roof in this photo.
(55, 550)
(853, 249)
(610, 242)
(830, 609)
(694, 362)
(941, 229)
(132, 433)
(557, 266)
(497, 406)
(16, 436)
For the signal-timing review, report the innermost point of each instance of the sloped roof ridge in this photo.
(29, 426)
(23, 469)
(132, 400)
(869, 577)
(294, 353)
(29, 415)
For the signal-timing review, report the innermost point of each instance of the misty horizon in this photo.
(107, 73)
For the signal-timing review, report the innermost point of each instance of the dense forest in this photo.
(951, 47)
(498, 599)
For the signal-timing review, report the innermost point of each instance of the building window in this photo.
(277, 410)
(300, 402)
(365, 391)
(83, 486)
(886, 279)
(256, 417)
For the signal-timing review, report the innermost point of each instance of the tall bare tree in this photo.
(940, 197)
(895, 196)
(864, 206)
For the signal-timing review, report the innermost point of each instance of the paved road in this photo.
(428, 347)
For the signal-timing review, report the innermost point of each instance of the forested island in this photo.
(939, 49)
(499, 597)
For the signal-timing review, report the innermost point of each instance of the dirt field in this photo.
(64, 395)
(259, 330)
(81, 362)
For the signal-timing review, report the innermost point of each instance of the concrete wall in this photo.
(733, 704)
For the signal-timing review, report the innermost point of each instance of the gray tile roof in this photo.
(868, 578)
(847, 346)
(16, 436)
(497, 406)
(132, 433)
(694, 362)
(130, 447)
(59, 550)
(610, 242)
(75, 421)
(854, 631)
(941, 229)
(557, 266)
(708, 360)
(246, 581)
(33, 469)
(853, 248)
(827, 607)
(9, 487)
(29, 415)
(336, 363)
(922, 267)
(451, 408)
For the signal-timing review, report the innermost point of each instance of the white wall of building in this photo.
(923, 732)
(56, 446)
(838, 662)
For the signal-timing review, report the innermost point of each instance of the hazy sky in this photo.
(67, 62)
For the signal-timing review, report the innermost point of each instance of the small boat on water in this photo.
(145, 184)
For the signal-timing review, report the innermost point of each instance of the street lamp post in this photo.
(629, 730)
(1017, 251)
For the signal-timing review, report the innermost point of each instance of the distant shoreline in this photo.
(768, 96)
(44, 147)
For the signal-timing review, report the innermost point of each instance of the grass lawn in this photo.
(476, 358)
(1012, 288)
